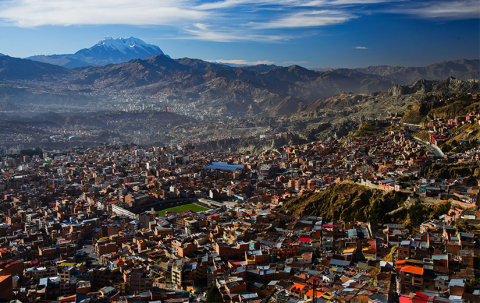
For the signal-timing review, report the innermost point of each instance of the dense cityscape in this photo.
(171, 224)
(284, 151)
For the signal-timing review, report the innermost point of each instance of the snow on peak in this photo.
(125, 44)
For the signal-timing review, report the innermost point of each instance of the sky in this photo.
(311, 33)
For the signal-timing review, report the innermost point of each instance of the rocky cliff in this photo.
(426, 86)
(348, 202)
(463, 69)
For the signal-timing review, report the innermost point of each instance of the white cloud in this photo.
(361, 47)
(222, 4)
(221, 21)
(242, 62)
(453, 10)
(287, 3)
(359, 2)
(31, 13)
(250, 3)
(201, 26)
(205, 32)
(308, 19)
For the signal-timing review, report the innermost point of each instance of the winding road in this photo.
(434, 149)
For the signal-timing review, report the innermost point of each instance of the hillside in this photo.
(348, 202)
(453, 170)
(252, 145)
(463, 69)
(213, 88)
(367, 129)
(67, 61)
(329, 118)
(438, 99)
(436, 86)
(232, 90)
(21, 69)
(435, 108)
(219, 90)
(21, 98)
(101, 127)
(463, 138)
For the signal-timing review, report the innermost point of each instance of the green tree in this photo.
(473, 282)
(376, 214)
(417, 213)
(247, 236)
(214, 295)
(443, 209)
(446, 148)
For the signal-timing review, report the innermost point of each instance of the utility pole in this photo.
(314, 289)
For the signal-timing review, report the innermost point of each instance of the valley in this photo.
(201, 103)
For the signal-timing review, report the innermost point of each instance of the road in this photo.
(434, 149)
(90, 250)
(412, 125)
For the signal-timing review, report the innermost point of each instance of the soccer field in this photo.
(181, 208)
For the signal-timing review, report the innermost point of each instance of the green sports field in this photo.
(181, 208)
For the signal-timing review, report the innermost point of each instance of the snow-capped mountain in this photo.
(106, 51)
(119, 50)
(126, 45)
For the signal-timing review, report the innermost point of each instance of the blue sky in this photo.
(312, 33)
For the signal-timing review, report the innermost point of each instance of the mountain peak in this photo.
(131, 46)
(107, 51)
(124, 45)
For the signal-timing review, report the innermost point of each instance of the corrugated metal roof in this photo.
(456, 282)
(224, 166)
(340, 263)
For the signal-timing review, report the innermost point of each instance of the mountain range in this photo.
(121, 50)
(232, 91)
(22, 69)
(215, 89)
(461, 69)
(107, 51)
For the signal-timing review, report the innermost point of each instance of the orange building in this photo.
(411, 279)
(6, 291)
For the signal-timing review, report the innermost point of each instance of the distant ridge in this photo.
(423, 86)
(232, 91)
(260, 68)
(106, 51)
(22, 69)
(262, 90)
(462, 69)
